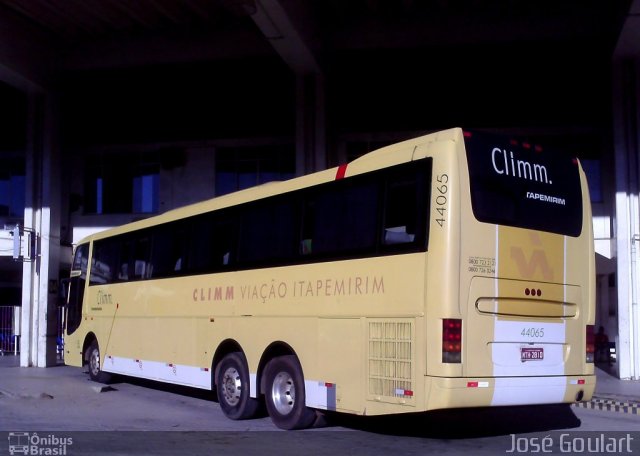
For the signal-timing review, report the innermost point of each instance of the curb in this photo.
(611, 405)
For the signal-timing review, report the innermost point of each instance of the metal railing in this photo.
(9, 329)
(60, 334)
(9, 320)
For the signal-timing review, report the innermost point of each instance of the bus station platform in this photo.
(614, 394)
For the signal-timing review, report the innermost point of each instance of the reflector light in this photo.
(341, 171)
(472, 384)
(581, 381)
(591, 343)
(403, 392)
(451, 340)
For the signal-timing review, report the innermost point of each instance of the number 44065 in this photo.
(532, 332)
(441, 198)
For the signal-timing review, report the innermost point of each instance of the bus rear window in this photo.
(523, 185)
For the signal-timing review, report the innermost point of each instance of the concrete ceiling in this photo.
(39, 39)
(389, 64)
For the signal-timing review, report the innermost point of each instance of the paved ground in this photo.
(58, 402)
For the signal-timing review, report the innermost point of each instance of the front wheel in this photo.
(285, 394)
(93, 360)
(232, 385)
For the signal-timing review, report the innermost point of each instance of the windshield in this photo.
(523, 185)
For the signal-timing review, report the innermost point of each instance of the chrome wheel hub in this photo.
(283, 393)
(231, 386)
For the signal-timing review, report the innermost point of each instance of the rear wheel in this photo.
(93, 360)
(232, 385)
(285, 394)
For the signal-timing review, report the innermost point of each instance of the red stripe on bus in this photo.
(342, 170)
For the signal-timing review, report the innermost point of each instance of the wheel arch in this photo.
(226, 346)
(88, 340)
(275, 349)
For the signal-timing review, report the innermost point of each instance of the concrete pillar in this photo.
(311, 130)
(42, 218)
(626, 99)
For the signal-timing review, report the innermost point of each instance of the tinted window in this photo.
(269, 231)
(169, 252)
(406, 206)
(522, 185)
(379, 213)
(211, 242)
(341, 217)
(104, 261)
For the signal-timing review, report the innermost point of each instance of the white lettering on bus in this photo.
(505, 163)
(546, 198)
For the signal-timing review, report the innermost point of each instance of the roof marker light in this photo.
(341, 171)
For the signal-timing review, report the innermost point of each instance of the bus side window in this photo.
(102, 262)
(308, 225)
(345, 217)
(224, 237)
(268, 231)
(123, 262)
(400, 211)
(168, 251)
(142, 268)
(211, 242)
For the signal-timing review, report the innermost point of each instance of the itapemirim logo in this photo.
(30, 443)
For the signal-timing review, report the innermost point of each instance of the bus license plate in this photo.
(531, 354)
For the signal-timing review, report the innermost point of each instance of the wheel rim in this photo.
(94, 362)
(231, 386)
(283, 393)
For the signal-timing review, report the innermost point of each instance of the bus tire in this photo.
(93, 360)
(232, 386)
(285, 394)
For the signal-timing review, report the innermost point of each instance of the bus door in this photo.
(76, 284)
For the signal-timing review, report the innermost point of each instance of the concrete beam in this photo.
(628, 46)
(162, 48)
(27, 55)
(289, 32)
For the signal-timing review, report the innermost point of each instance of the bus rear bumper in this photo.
(504, 391)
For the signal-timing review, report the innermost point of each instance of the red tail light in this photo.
(451, 340)
(591, 343)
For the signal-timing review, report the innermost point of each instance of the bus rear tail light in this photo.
(451, 340)
(591, 343)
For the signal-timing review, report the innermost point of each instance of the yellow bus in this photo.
(451, 270)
